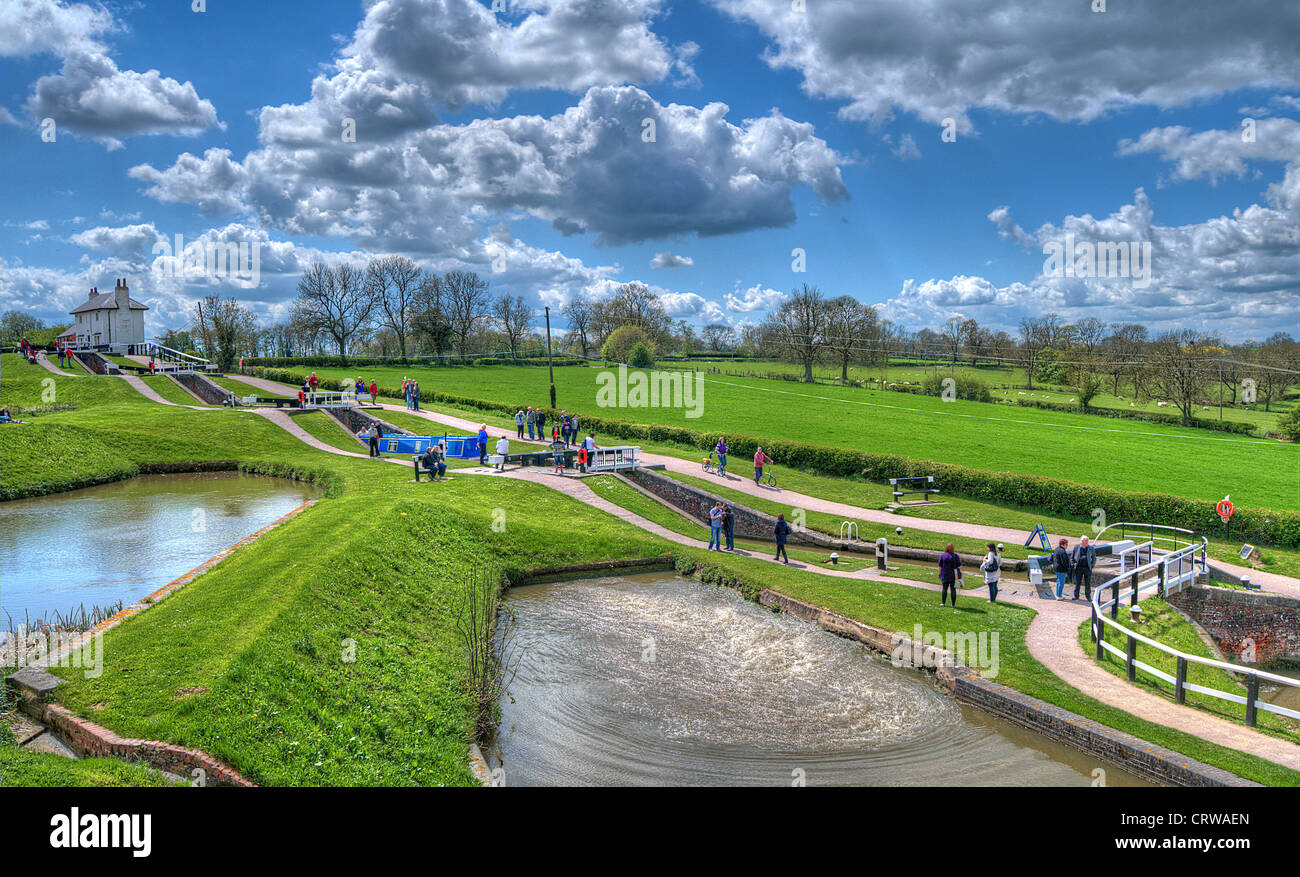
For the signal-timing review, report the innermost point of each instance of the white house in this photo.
(109, 319)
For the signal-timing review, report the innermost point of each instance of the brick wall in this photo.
(357, 420)
(1231, 617)
(203, 388)
(696, 503)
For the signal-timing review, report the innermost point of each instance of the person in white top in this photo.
(992, 567)
(503, 448)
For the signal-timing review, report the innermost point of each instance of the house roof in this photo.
(105, 301)
(72, 331)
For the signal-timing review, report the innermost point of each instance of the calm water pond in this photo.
(123, 541)
(656, 680)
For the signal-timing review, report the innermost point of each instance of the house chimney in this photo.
(120, 294)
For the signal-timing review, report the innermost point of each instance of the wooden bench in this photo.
(901, 489)
(420, 469)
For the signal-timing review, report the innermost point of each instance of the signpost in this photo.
(1042, 537)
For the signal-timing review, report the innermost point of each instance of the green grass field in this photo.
(249, 662)
(1125, 455)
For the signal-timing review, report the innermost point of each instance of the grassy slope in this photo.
(263, 632)
(1122, 454)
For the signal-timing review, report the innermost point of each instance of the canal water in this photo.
(123, 541)
(653, 679)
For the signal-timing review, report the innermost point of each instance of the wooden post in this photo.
(1132, 656)
(1134, 601)
(549, 366)
(1180, 681)
(1252, 695)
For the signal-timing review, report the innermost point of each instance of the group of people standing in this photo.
(722, 524)
(564, 429)
(361, 388)
(1076, 564)
(950, 577)
(410, 393)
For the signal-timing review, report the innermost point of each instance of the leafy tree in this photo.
(640, 356)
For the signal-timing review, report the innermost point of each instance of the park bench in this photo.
(902, 486)
(422, 470)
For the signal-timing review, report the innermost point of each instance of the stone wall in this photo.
(755, 524)
(357, 421)
(1230, 617)
(203, 388)
(696, 503)
(93, 362)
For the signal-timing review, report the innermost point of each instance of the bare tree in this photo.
(465, 297)
(513, 316)
(577, 312)
(952, 337)
(334, 301)
(393, 283)
(798, 328)
(717, 337)
(228, 330)
(1180, 370)
(849, 323)
(1033, 338)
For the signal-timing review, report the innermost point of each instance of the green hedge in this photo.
(377, 361)
(1058, 496)
(1231, 426)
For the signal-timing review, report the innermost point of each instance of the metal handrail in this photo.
(852, 528)
(1150, 532)
(1181, 685)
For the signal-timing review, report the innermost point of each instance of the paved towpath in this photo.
(49, 366)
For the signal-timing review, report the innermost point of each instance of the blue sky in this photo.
(1123, 125)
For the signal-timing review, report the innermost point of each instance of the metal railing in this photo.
(852, 528)
(1167, 538)
(1172, 572)
(613, 458)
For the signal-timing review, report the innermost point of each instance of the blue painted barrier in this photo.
(457, 446)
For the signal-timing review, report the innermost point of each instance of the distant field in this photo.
(1007, 383)
(1126, 455)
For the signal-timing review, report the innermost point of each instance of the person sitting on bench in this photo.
(503, 450)
(433, 462)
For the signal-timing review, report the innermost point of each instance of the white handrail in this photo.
(1099, 619)
(852, 528)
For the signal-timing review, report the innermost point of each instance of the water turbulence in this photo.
(656, 680)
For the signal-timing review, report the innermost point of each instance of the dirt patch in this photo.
(187, 692)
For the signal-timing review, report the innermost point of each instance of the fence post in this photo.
(1252, 695)
(1160, 589)
(1093, 630)
(1101, 633)
(1180, 681)
(1132, 656)
(1114, 599)
(1134, 601)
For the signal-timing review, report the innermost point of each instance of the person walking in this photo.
(530, 420)
(729, 527)
(519, 423)
(721, 450)
(1083, 558)
(359, 387)
(781, 531)
(949, 574)
(482, 445)
(759, 459)
(1061, 566)
(314, 381)
(992, 567)
(715, 528)
(374, 391)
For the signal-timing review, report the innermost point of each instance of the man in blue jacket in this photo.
(482, 445)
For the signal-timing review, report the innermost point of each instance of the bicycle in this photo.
(709, 467)
(767, 478)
